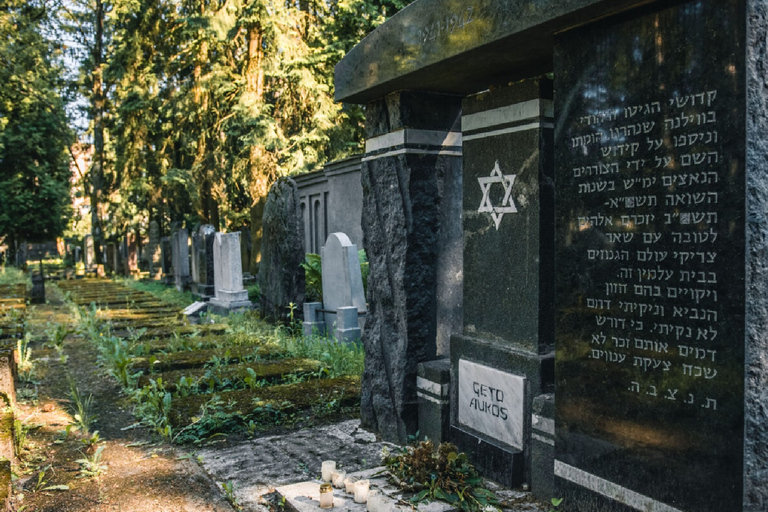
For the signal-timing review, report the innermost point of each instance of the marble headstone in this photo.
(342, 279)
(228, 274)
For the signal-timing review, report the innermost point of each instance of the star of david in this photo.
(507, 204)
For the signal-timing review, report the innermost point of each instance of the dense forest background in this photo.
(167, 110)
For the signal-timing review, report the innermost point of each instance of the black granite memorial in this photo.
(650, 162)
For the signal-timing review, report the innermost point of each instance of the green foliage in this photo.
(444, 475)
(92, 466)
(25, 367)
(34, 132)
(12, 276)
(313, 277)
(81, 408)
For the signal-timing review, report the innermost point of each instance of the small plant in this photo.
(81, 409)
(19, 436)
(444, 475)
(313, 277)
(229, 494)
(26, 368)
(56, 337)
(555, 503)
(92, 466)
(154, 405)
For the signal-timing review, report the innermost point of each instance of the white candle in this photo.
(337, 478)
(361, 491)
(327, 469)
(373, 500)
(350, 484)
(326, 496)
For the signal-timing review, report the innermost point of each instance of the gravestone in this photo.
(228, 274)
(281, 277)
(111, 257)
(154, 254)
(180, 249)
(131, 254)
(202, 262)
(245, 251)
(166, 259)
(342, 284)
(504, 357)
(660, 162)
(89, 251)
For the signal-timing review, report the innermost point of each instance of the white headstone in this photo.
(342, 279)
(491, 402)
(228, 273)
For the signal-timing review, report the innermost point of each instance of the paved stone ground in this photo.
(291, 464)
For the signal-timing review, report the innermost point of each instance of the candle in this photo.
(326, 496)
(361, 491)
(337, 478)
(328, 467)
(373, 500)
(350, 484)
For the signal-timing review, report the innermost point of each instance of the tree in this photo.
(34, 132)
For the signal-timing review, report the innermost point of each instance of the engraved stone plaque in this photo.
(650, 258)
(492, 402)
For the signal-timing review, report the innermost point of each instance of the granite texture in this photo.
(281, 277)
(650, 169)
(509, 215)
(756, 371)
(433, 384)
(342, 279)
(462, 46)
(402, 205)
(543, 447)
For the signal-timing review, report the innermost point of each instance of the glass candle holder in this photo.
(327, 469)
(361, 491)
(337, 479)
(374, 497)
(326, 496)
(349, 482)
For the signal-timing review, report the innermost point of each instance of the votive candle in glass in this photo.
(373, 500)
(361, 491)
(327, 469)
(326, 496)
(349, 482)
(337, 479)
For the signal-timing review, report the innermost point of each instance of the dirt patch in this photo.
(139, 472)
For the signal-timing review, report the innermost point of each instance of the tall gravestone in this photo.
(342, 286)
(245, 250)
(180, 248)
(661, 248)
(504, 356)
(131, 248)
(228, 274)
(90, 253)
(281, 277)
(111, 259)
(202, 262)
(166, 259)
(154, 251)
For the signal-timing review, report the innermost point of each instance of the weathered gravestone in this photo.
(166, 259)
(228, 272)
(202, 262)
(245, 251)
(89, 251)
(343, 293)
(180, 250)
(111, 259)
(131, 251)
(154, 254)
(281, 277)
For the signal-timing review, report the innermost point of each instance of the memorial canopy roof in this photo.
(462, 46)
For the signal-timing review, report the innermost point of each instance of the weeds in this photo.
(81, 409)
(229, 494)
(92, 466)
(26, 368)
(56, 336)
(153, 404)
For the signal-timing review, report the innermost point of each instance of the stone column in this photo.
(154, 255)
(202, 258)
(411, 173)
(507, 341)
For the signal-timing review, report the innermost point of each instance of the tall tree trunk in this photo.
(98, 104)
(260, 176)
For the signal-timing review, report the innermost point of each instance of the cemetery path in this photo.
(140, 473)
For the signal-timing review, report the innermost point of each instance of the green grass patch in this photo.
(163, 292)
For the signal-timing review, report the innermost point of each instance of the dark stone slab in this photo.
(403, 208)
(281, 277)
(433, 384)
(651, 166)
(462, 46)
(543, 447)
(499, 463)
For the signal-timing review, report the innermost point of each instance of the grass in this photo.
(161, 291)
(12, 276)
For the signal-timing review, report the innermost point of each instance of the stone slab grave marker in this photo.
(166, 259)
(180, 248)
(661, 224)
(89, 253)
(202, 262)
(342, 288)
(230, 294)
